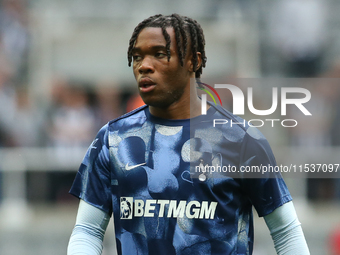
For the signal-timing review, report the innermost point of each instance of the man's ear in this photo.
(190, 65)
(199, 62)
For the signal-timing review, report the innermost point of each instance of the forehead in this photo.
(151, 36)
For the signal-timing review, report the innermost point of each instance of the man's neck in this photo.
(178, 111)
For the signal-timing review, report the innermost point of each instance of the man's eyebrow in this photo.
(155, 47)
(159, 47)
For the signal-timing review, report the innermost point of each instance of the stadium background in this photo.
(64, 73)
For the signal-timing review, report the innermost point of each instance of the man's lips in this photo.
(146, 85)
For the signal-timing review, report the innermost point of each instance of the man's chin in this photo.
(156, 103)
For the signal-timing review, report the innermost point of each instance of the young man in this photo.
(141, 166)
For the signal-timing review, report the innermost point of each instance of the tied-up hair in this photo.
(187, 30)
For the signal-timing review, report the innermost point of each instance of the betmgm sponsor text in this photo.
(131, 208)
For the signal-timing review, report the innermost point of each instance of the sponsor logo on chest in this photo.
(130, 208)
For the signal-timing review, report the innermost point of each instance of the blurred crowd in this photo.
(14, 47)
(75, 113)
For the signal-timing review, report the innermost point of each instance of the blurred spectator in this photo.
(334, 241)
(27, 121)
(72, 120)
(312, 131)
(14, 33)
(13, 53)
(299, 33)
(333, 88)
(134, 102)
(71, 127)
(108, 106)
(7, 102)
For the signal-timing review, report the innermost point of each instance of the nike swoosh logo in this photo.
(127, 167)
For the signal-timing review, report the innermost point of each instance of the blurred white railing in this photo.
(14, 163)
(41, 159)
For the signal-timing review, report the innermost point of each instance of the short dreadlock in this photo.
(184, 27)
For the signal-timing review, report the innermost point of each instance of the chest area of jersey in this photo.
(163, 158)
(155, 155)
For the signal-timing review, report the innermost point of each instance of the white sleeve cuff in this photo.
(286, 231)
(88, 233)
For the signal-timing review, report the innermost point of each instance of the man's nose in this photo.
(146, 66)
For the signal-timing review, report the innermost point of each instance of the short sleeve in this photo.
(92, 182)
(265, 190)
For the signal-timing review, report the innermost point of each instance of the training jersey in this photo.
(180, 186)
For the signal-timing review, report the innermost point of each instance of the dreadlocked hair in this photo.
(187, 30)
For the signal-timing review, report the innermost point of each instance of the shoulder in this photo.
(248, 140)
(137, 115)
(234, 126)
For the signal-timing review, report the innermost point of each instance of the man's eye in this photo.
(136, 57)
(160, 55)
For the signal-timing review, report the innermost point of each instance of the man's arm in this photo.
(88, 233)
(286, 231)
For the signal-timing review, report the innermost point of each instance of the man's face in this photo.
(161, 83)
